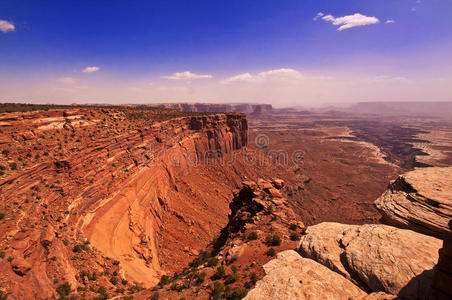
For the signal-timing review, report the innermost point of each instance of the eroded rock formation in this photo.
(291, 276)
(93, 197)
(420, 200)
(375, 257)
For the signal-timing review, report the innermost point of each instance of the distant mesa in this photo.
(211, 107)
(412, 108)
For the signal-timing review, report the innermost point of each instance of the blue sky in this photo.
(261, 51)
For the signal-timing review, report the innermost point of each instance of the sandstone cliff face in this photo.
(419, 200)
(125, 225)
(93, 191)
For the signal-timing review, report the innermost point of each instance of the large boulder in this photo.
(291, 276)
(378, 258)
(420, 200)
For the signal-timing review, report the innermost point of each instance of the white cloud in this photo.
(245, 77)
(6, 26)
(150, 83)
(283, 74)
(91, 69)
(66, 80)
(319, 15)
(390, 21)
(187, 75)
(349, 21)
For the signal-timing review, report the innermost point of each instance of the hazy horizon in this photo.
(309, 53)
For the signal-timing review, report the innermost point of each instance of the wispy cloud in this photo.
(390, 21)
(283, 74)
(91, 69)
(389, 78)
(187, 75)
(6, 26)
(348, 21)
(319, 15)
(66, 80)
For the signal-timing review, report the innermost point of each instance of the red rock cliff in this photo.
(95, 189)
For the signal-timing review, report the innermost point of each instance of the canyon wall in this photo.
(123, 226)
(110, 192)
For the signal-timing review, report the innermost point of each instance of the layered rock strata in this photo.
(89, 191)
(420, 200)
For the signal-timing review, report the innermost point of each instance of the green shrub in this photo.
(212, 262)
(252, 236)
(2, 167)
(273, 240)
(63, 290)
(102, 293)
(164, 280)
(294, 236)
(217, 291)
(231, 278)
(254, 278)
(5, 152)
(200, 277)
(2, 216)
(219, 273)
(114, 280)
(92, 277)
(13, 166)
(79, 248)
(271, 252)
(235, 293)
(293, 227)
(177, 287)
(154, 296)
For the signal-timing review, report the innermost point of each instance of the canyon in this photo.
(154, 201)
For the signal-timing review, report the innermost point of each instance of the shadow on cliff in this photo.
(420, 287)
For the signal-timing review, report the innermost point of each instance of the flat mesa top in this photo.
(433, 183)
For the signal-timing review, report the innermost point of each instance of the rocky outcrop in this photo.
(261, 223)
(419, 200)
(291, 276)
(378, 258)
